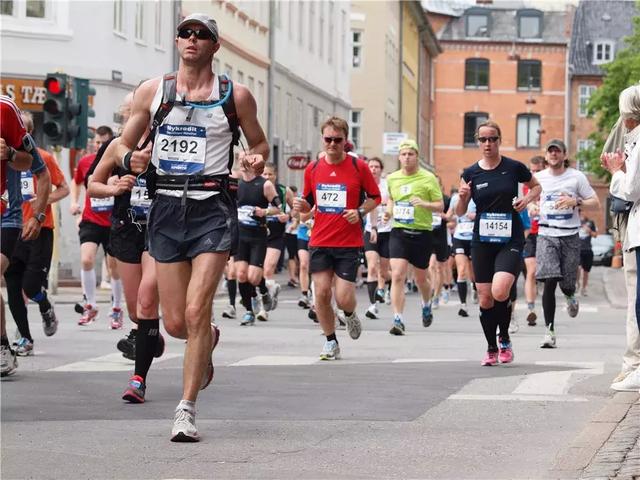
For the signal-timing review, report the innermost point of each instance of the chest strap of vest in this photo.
(202, 183)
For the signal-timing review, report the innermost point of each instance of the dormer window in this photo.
(477, 23)
(529, 23)
(603, 52)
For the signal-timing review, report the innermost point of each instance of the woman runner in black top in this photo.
(498, 234)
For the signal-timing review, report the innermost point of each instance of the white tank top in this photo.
(192, 140)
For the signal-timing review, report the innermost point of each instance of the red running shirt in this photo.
(12, 132)
(103, 217)
(535, 221)
(333, 189)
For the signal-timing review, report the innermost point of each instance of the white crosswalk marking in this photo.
(114, 362)
(275, 360)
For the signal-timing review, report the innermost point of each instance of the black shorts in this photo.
(461, 247)
(439, 244)
(33, 257)
(90, 232)
(275, 241)
(303, 244)
(530, 246)
(127, 242)
(343, 261)
(9, 239)
(179, 233)
(252, 248)
(381, 246)
(489, 258)
(291, 243)
(586, 260)
(411, 245)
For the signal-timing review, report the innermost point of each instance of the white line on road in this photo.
(274, 360)
(114, 362)
(429, 360)
(520, 398)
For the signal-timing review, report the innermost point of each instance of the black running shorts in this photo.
(343, 261)
(439, 244)
(33, 258)
(303, 244)
(411, 245)
(180, 233)
(252, 247)
(127, 242)
(291, 243)
(530, 246)
(586, 260)
(9, 239)
(91, 233)
(462, 247)
(489, 258)
(381, 246)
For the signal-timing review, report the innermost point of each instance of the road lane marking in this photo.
(275, 360)
(519, 398)
(114, 362)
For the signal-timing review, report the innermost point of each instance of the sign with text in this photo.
(28, 94)
(391, 141)
(298, 162)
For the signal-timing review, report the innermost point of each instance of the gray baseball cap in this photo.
(204, 20)
(556, 143)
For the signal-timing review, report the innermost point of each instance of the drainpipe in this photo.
(177, 14)
(270, 75)
(400, 69)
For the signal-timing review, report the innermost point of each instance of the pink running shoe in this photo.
(490, 359)
(89, 315)
(505, 352)
(208, 374)
(116, 317)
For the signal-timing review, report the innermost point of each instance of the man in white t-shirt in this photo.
(564, 189)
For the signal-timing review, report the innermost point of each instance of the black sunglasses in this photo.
(336, 140)
(488, 139)
(200, 34)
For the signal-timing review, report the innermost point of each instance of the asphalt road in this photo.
(418, 406)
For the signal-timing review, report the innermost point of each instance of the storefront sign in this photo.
(28, 94)
(391, 141)
(298, 162)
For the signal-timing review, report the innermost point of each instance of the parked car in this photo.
(602, 247)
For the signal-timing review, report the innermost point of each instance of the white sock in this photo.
(116, 292)
(187, 405)
(88, 281)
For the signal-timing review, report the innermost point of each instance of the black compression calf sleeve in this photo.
(247, 291)
(371, 290)
(549, 301)
(489, 326)
(503, 318)
(462, 291)
(232, 287)
(146, 345)
(16, 304)
(262, 286)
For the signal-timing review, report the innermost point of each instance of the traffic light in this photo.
(82, 92)
(55, 109)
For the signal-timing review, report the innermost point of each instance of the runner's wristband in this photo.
(126, 161)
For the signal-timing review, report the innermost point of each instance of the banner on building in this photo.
(391, 141)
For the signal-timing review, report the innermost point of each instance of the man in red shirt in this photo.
(94, 229)
(31, 259)
(344, 191)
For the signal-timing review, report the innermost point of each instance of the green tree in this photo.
(621, 73)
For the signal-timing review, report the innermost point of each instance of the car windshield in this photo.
(602, 241)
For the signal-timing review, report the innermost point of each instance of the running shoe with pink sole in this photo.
(116, 317)
(490, 359)
(505, 352)
(88, 315)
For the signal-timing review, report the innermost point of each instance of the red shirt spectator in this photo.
(96, 210)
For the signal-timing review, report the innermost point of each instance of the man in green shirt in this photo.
(414, 194)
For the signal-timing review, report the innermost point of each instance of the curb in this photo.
(596, 449)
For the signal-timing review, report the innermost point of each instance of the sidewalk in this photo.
(619, 455)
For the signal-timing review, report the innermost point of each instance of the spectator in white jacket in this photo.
(625, 184)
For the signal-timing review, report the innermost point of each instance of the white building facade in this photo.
(311, 77)
(114, 43)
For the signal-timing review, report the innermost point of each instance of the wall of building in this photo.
(502, 101)
(411, 46)
(378, 101)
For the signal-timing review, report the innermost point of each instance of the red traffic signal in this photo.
(53, 85)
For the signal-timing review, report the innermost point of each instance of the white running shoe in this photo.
(330, 350)
(387, 296)
(549, 339)
(8, 363)
(631, 383)
(354, 326)
(262, 315)
(513, 326)
(372, 312)
(230, 312)
(184, 427)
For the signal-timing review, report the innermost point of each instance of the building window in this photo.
(583, 144)
(261, 101)
(118, 16)
(240, 77)
(228, 71)
(476, 74)
(312, 21)
(330, 48)
(36, 9)
(528, 134)
(300, 21)
(471, 122)
(530, 24)
(529, 74)
(603, 52)
(158, 30)
(6, 7)
(343, 40)
(477, 24)
(216, 65)
(251, 84)
(140, 21)
(357, 48)
(355, 129)
(321, 28)
(584, 94)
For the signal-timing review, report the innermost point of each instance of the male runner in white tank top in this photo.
(191, 231)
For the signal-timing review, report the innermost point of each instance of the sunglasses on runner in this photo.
(200, 34)
(336, 140)
(488, 139)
